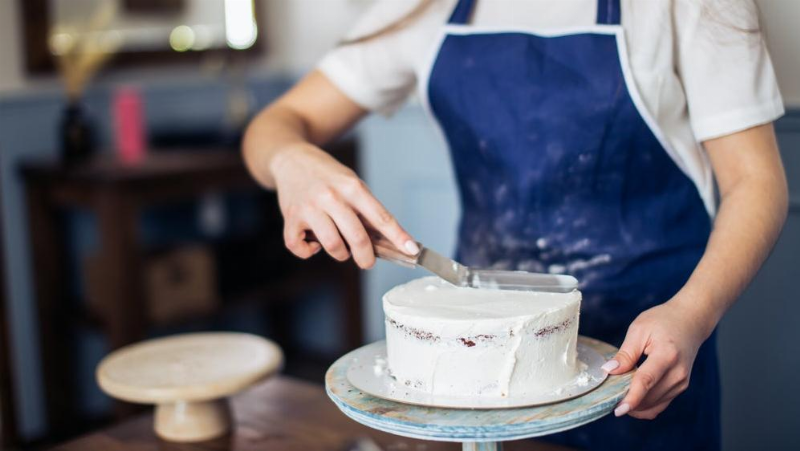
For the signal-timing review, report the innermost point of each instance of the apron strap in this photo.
(462, 12)
(608, 12)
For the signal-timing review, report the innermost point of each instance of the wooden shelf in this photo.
(117, 194)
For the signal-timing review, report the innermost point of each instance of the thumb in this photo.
(629, 353)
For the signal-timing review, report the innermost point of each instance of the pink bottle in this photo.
(129, 125)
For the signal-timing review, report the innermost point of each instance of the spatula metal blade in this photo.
(463, 276)
(447, 269)
(521, 280)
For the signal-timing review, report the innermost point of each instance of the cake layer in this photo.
(467, 342)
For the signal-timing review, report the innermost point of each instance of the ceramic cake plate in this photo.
(475, 421)
(367, 372)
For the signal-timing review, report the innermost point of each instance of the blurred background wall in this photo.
(761, 410)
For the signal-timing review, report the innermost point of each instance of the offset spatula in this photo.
(464, 276)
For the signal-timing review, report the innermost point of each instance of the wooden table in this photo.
(117, 193)
(279, 414)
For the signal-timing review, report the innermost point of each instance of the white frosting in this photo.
(466, 342)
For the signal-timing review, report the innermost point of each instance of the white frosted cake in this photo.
(455, 341)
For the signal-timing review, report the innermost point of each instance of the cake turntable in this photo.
(479, 425)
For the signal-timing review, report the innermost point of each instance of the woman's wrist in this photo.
(699, 308)
(282, 156)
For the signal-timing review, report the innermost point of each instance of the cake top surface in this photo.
(432, 297)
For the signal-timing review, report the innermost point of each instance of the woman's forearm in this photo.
(313, 112)
(274, 130)
(752, 211)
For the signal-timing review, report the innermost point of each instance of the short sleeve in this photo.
(380, 73)
(725, 67)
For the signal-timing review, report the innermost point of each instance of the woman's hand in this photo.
(319, 194)
(669, 335)
(315, 191)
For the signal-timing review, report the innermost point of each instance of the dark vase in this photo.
(77, 135)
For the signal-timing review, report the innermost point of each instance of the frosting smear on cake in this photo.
(456, 341)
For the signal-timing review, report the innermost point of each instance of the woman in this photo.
(586, 136)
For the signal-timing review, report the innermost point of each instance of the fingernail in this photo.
(412, 247)
(622, 409)
(316, 251)
(610, 366)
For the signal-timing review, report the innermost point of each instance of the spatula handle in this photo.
(386, 250)
(383, 248)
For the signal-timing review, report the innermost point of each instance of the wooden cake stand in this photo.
(483, 430)
(189, 378)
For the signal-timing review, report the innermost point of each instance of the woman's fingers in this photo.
(646, 377)
(328, 235)
(354, 232)
(294, 237)
(675, 382)
(379, 217)
(337, 211)
(652, 412)
(649, 410)
(660, 397)
(629, 353)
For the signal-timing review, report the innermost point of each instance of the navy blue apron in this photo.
(561, 169)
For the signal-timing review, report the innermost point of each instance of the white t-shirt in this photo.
(698, 74)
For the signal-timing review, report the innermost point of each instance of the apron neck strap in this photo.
(608, 12)
(462, 12)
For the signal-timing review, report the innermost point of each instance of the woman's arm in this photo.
(753, 207)
(316, 192)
